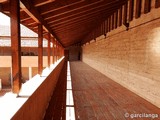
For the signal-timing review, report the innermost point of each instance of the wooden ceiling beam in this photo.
(26, 19)
(85, 13)
(147, 6)
(138, 8)
(81, 13)
(5, 8)
(72, 9)
(120, 16)
(77, 10)
(29, 13)
(131, 7)
(41, 2)
(125, 13)
(73, 21)
(24, 15)
(84, 16)
(157, 3)
(33, 12)
(71, 29)
(79, 22)
(4, 1)
(55, 6)
(116, 19)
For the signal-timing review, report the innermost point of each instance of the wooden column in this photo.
(55, 50)
(58, 52)
(61, 51)
(40, 49)
(49, 49)
(15, 45)
(52, 40)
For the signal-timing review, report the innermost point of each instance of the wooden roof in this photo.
(69, 21)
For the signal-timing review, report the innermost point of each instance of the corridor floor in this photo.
(97, 97)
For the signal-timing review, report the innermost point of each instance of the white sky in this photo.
(4, 20)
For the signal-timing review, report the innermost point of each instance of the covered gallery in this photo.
(103, 63)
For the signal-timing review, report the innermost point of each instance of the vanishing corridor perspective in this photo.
(79, 59)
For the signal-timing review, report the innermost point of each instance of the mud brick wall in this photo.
(131, 58)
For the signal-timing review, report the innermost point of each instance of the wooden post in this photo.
(40, 49)
(53, 54)
(55, 50)
(15, 45)
(49, 49)
(58, 51)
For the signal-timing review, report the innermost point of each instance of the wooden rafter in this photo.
(131, 6)
(138, 8)
(147, 6)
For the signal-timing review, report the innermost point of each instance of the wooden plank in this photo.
(131, 8)
(49, 49)
(110, 100)
(42, 2)
(138, 8)
(147, 6)
(157, 3)
(40, 49)
(15, 45)
(120, 16)
(125, 13)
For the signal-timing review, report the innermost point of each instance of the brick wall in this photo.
(131, 58)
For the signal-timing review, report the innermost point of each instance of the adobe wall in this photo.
(27, 61)
(131, 58)
(74, 53)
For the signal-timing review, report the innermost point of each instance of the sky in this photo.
(4, 20)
